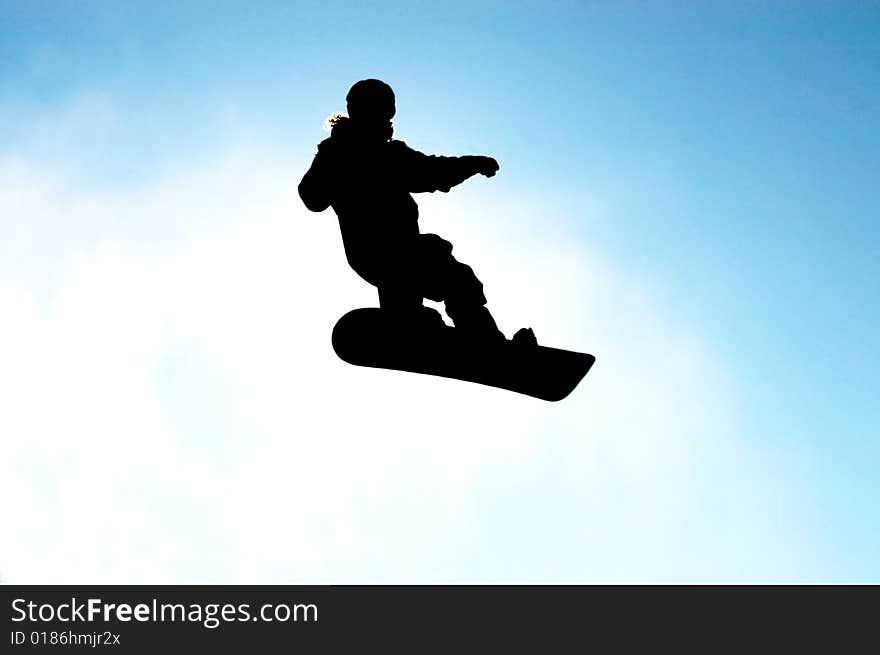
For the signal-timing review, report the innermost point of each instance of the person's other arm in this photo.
(314, 187)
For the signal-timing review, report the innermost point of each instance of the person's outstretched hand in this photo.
(486, 166)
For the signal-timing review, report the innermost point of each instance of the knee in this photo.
(433, 246)
(464, 287)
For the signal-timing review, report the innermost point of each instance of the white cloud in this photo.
(173, 410)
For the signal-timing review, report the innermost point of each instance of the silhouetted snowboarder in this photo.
(368, 178)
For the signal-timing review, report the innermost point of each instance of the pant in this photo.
(430, 271)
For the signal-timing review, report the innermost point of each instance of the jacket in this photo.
(368, 179)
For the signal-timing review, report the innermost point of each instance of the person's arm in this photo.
(314, 189)
(423, 172)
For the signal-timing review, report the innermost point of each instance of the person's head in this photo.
(371, 103)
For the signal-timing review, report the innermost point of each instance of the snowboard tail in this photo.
(374, 338)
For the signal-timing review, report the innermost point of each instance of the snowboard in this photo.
(375, 338)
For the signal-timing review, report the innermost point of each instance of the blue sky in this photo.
(719, 160)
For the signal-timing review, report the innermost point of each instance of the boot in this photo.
(525, 338)
(405, 308)
(475, 321)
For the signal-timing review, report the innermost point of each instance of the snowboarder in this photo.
(368, 177)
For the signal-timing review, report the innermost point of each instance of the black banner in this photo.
(134, 619)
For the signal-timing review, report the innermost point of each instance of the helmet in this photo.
(371, 100)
